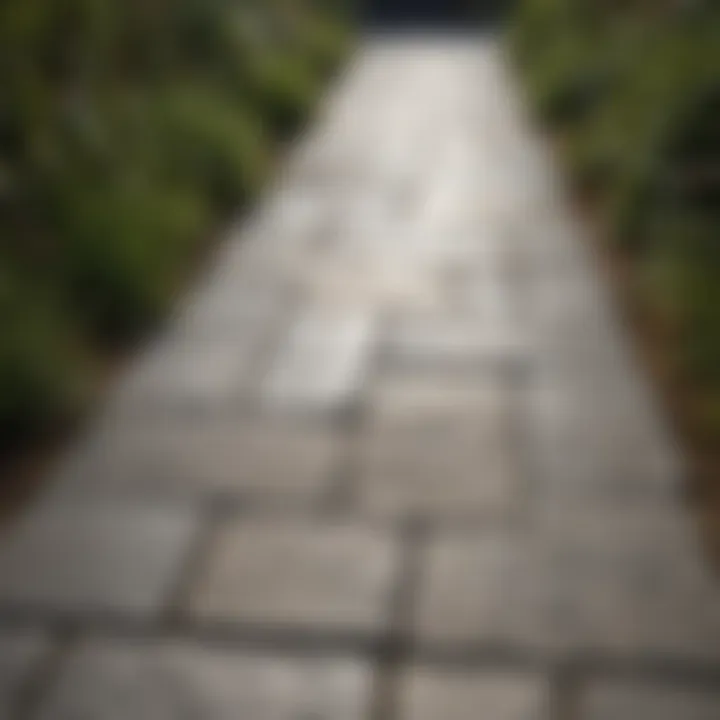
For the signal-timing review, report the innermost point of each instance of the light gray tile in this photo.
(438, 446)
(323, 364)
(108, 681)
(625, 701)
(94, 558)
(299, 575)
(20, 654)
(429, 694)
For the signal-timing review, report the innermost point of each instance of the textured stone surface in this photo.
(439, 446)
(168, 682)
(301, 575)
(189, 375)
(94, 558)
(429, 694)
(615, 701)
(323, 364)
(485, 591)
(629, 583)
(20, 654)
(452, 343)
(203, 458)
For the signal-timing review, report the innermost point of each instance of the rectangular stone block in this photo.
(452, 343)
(20, 654)
(322, 365)
(188, 375)
(240, 311)
(202, 458)
(124, 681)
(643, 701)
(437, 446)
(94, 558)
(299, 575)
(430, 694)
(632, 584)
(486, 591)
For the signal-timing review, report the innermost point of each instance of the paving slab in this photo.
(322, 365)
(189, 375)
(643, 701)
(632, 584)
(438, 446)
(485, 592)
(299, 575)
(89, 558)
(21, 652)
(241, 310)
(122, 681)
(430, 694)
(203, 458)
(451, 343)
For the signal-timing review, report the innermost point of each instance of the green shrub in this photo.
(39, 372)
(126, 131)
(211, 140)
(124, 246)
(284, 89)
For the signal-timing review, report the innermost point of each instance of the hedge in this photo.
(127, 131)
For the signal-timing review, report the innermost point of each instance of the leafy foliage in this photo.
(126, 130)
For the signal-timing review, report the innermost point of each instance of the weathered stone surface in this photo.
(594, 441)
(429, 694)
(452, 343)
(485, 591)
(632, 584)
(20, 653)
(242, 312)
(616, 701)
(439, 446)
(170, 681)
(94, 558)
(322, 366)
(203, 458)
(189, 375)
(299, 575)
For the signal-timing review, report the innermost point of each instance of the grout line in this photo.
(402, 612)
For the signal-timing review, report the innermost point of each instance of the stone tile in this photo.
(114, 681)
(322, 365)
(451, 343)
(188, 375)
(94, 558)
(595, 440)
(243, 311)
(20, 654)
(203, 458)
(429, 694)
(299, 575)
(485, 591)
(439, 446)
(630, 584)
(625, 701)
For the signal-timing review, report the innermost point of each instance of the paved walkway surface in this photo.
(392, 460)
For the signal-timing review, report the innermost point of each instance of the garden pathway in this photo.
(391, 460)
